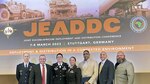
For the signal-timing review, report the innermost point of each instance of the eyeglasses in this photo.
(85, 53)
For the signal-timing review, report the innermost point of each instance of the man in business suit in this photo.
(59, 70)
(124, 70)
(23, 70)
(89, 69)
(106, 70)
(41, 73)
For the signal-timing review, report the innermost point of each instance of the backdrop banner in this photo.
(72, 26)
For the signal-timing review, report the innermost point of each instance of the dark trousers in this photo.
(85, 79)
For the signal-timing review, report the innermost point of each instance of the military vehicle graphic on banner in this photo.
(13, 10)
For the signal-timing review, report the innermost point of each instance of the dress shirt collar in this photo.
(60, 64)
(26, 64)
(103, 62)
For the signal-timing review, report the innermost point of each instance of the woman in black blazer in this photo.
(73, 75)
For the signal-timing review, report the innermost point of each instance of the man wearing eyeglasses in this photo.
(89, 69)
(124, 70)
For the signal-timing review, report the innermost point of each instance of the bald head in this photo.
(103, 55)
(120, 52)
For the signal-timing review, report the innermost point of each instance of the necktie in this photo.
(26, 66)
(100, 68)
(43, 74)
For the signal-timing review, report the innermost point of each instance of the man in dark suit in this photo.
(59, 70)
(23, 70)
(106, 70)
(41, 73)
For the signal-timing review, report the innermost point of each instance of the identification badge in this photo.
(64, 68)
(30, 68)
(55, 68)
(71, 71)
(20, 72)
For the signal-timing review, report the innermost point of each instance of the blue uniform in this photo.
(22, 73)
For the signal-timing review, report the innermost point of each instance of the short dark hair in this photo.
(86, 51)
(73, 58)
(59, 54)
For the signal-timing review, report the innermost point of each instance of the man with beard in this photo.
(89, 69)
(124, 70)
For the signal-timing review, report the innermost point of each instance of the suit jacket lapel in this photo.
(39, 70)
(104, 65)
(47, 72)
(23, 67)
(29, 65)
(63, 65)
(99, 67)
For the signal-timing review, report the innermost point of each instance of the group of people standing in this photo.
(87, 72)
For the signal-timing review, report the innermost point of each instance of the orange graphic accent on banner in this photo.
(76, 49)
